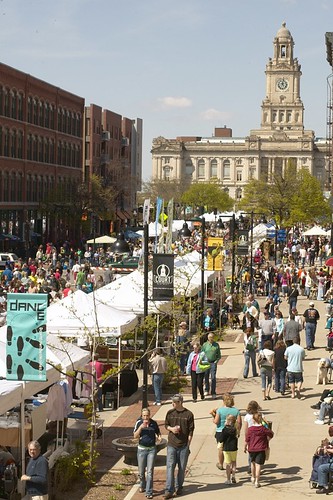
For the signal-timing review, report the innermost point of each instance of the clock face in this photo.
(282, 84)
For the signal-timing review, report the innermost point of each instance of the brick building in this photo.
(41, 150)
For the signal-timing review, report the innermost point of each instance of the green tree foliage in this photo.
(164, 189)
(290, 198)
(209, 195)
(97, 198)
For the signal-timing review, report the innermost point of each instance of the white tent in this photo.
(78, 315)
(315, 231)
(102, 239)
(153, 229)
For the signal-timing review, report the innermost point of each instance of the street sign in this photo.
(270, 233)
(282, 235)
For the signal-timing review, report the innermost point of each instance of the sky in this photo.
(183, 66)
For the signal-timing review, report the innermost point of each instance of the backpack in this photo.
(251, 344)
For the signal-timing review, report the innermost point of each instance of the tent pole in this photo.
(118, 388)
(157, 327)
(22, 429)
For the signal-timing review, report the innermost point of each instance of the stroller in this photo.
(317, 460)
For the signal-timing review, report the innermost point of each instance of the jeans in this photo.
(266, 376)
(179, 457)
(323, 472)
(310, 333)
(157, 385)
(212, 373)
(146, 460)
(197, 383)
(280, 379)
(324, 409)
(250, 356)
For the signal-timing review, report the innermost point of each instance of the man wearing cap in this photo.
(311, 316)
(179, 422)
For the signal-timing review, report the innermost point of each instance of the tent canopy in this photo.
(78, 315)
(315, 231)
(102, 239)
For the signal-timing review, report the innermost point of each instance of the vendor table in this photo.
(10, 434)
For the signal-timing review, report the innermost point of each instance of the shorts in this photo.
(295, 377)
(258, 457)
(230, 456)
(217, 437)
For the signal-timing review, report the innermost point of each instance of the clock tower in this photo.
(282, 108)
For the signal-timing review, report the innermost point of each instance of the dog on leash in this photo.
(322, 371)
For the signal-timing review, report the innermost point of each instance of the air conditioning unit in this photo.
(105, 136)
(124, 141)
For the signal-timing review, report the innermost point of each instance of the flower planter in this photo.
(128, 447)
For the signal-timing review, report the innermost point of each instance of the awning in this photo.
(122, 215)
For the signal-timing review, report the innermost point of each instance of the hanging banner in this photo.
(145, 212)
(215, 254)
(242, 245)
(168, 244)
(26, 336)
(163, 276)
(160, 245)
(159, 203)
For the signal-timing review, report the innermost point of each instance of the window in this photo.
(19, 186)
(238, 194)
(6, 142)
(20, 144)
(1, 99)
(252, 173)
(30, 105)
(166, 173)
(47, 115)
(13, 145)
(201, 169)
(238, 161)
(6, 102)
(239, 175)
(14, 105)
(213, 168)
(35, 111)
(283, 51)
(251, 159)
(20, 106)
(5, 186)
(226, 169)
(13, 187)
(1, 141)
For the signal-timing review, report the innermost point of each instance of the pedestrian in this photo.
(147, 431)
(209, 324)
(292, 329)
(280, 367)
(250, 344)
(179, 423)
(221, 413)
(252, 408)
(266, 366)
(295, 354)
(292, 297)
(36, 474)
(213, 354)
(311, 316)
(158, 366)
(256, 443)
(268, 328)
(229, 439)
(195, 369)
(182, 345)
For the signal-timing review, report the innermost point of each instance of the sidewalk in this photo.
(286, 474)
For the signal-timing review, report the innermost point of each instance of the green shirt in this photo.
(212, 351)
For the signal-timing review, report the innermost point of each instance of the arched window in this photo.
(226, 169)
(201, 169)
(6, 110)
(20, 106)
(51, 151)
(13, 187)
(30, 109)
(41, 113)
(1, 99)
(34, 147)
(166, 172)
(6, 142)
(1, 141)
(47, 115)
(52, 116)
(35, 111)
(13, 146)
(19, 186)
(29, 148)
(189, 168)
(5, 186)
(28, 187)
(213, 168)
(14, 105)
(20, 144)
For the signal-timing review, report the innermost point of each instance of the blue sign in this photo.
(282, 235)
(270, 233)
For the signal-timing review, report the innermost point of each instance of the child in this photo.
(229, 438)
(256, 443)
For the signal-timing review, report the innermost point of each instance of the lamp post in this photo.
(233, 253)
(185, 232)
(145, 314)
(203, 234)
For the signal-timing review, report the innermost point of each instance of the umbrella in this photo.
(102, 239)
(329, 262)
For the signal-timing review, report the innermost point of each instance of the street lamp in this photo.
(185, 231)
(120, 245)
(203, 235)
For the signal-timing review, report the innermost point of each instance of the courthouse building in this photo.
(264, 152)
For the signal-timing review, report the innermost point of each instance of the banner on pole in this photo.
(163, 276)
(215, 256)
(26, 336)
(242, 242)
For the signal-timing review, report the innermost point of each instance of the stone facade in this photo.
(266, 151)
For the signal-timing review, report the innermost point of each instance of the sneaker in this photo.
(179, 491)
(322, 491)
(149, 496)
(228, 481)
(316, 406)
(257, 485)
(316, 413)
(202, 398)
(233, 480)
(214, 396)
(158, 404)
(319, 422)
(206, 393)
(194, 400)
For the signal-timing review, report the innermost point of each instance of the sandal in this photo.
(219, 466)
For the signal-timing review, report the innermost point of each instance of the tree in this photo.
(209, 195)
(97, 198)
(290, 198)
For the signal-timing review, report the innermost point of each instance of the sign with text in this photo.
(163, 276)
(215, 254)
(26, 336)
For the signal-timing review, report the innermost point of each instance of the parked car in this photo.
(7, 257)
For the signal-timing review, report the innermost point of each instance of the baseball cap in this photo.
(311, 304)
(177, 398)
